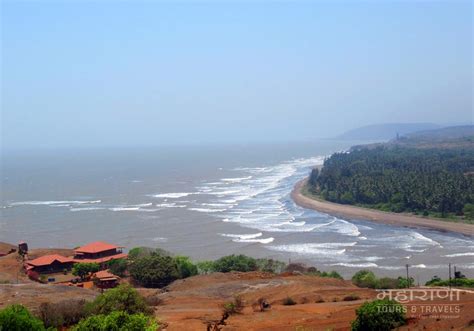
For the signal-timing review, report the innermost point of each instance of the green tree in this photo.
(379, 315)
(205, 267)
(155, 270)
(185, 267)
(117, 266)
(117, 321)
(18, 318)
(83, 269)
(235, 263)
(122, 298)
(365, 278)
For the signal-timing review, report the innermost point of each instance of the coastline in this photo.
(349, 211)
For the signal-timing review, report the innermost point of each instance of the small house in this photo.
(98, 252)
(49, 264)
(104, 279)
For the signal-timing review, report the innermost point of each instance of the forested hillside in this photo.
(391, 177)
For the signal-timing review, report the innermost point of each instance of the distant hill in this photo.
(449, 137)
(386, 131)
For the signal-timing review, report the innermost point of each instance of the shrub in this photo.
(288, 301)
(379, 315)
(62, 313)
(270, 265)
(117, 267)
(205, 267)
(155, 270)
(365, 278)
(185, 267)
(83, 269)
(139, 252)
(331, 274)
(387, 282)
(234, 307)
(297, 267)
(18, 318)
(458, 282)
(117, 320)
(122, 298)
(351, 297)
(235, 263)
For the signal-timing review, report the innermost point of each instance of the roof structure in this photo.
(104, 275)
(102, 259)
(49, 259)
(96, 247)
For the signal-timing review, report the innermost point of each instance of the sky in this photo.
(103, 73)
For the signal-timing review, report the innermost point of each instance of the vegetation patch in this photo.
(379, 315)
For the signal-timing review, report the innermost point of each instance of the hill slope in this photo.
(385, 131)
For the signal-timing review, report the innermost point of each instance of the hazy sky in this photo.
(109, 74)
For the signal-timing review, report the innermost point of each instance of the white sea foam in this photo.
(419, 266)
(261, 241)
(172, 195)
(243, 236)
(324, 249)
(460, 254)
(52, 203)
(235, 180)
(124, 208)
(356, 265)
(170, 205)
(85, 208)
(206, 210)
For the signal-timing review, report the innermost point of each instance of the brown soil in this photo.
(376, 215)
(196, 302)
(11, 265)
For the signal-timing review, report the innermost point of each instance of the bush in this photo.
(379, 315)
(155, 270)
(270, 265)
(18, 318)
(331, 274)
(139, 252)
(62, 313)
(365, 278)
(205, 267)
(122, 298)
(288, 301)
(117, 267)
(351, 297)
(234, 307)
(235, 263)
(118, 320)
(83, 269)
(458, 282)
(185, 267)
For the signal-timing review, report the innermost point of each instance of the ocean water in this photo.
(207, 202)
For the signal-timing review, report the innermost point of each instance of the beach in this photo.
(353, 212)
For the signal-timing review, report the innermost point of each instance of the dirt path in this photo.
(376, 215)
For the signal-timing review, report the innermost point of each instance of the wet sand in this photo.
(376, 215)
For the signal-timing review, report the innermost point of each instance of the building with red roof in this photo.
(98, 252)
(105, 279)
(49, 264)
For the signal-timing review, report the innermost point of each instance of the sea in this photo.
(206, 202)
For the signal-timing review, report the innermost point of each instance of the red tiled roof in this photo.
(104, 275)
(49, 259)
(102, 259)
(96, 247)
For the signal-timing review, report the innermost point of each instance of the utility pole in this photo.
(450, 276)
(408, 279)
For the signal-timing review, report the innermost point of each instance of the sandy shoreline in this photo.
(376, 215)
